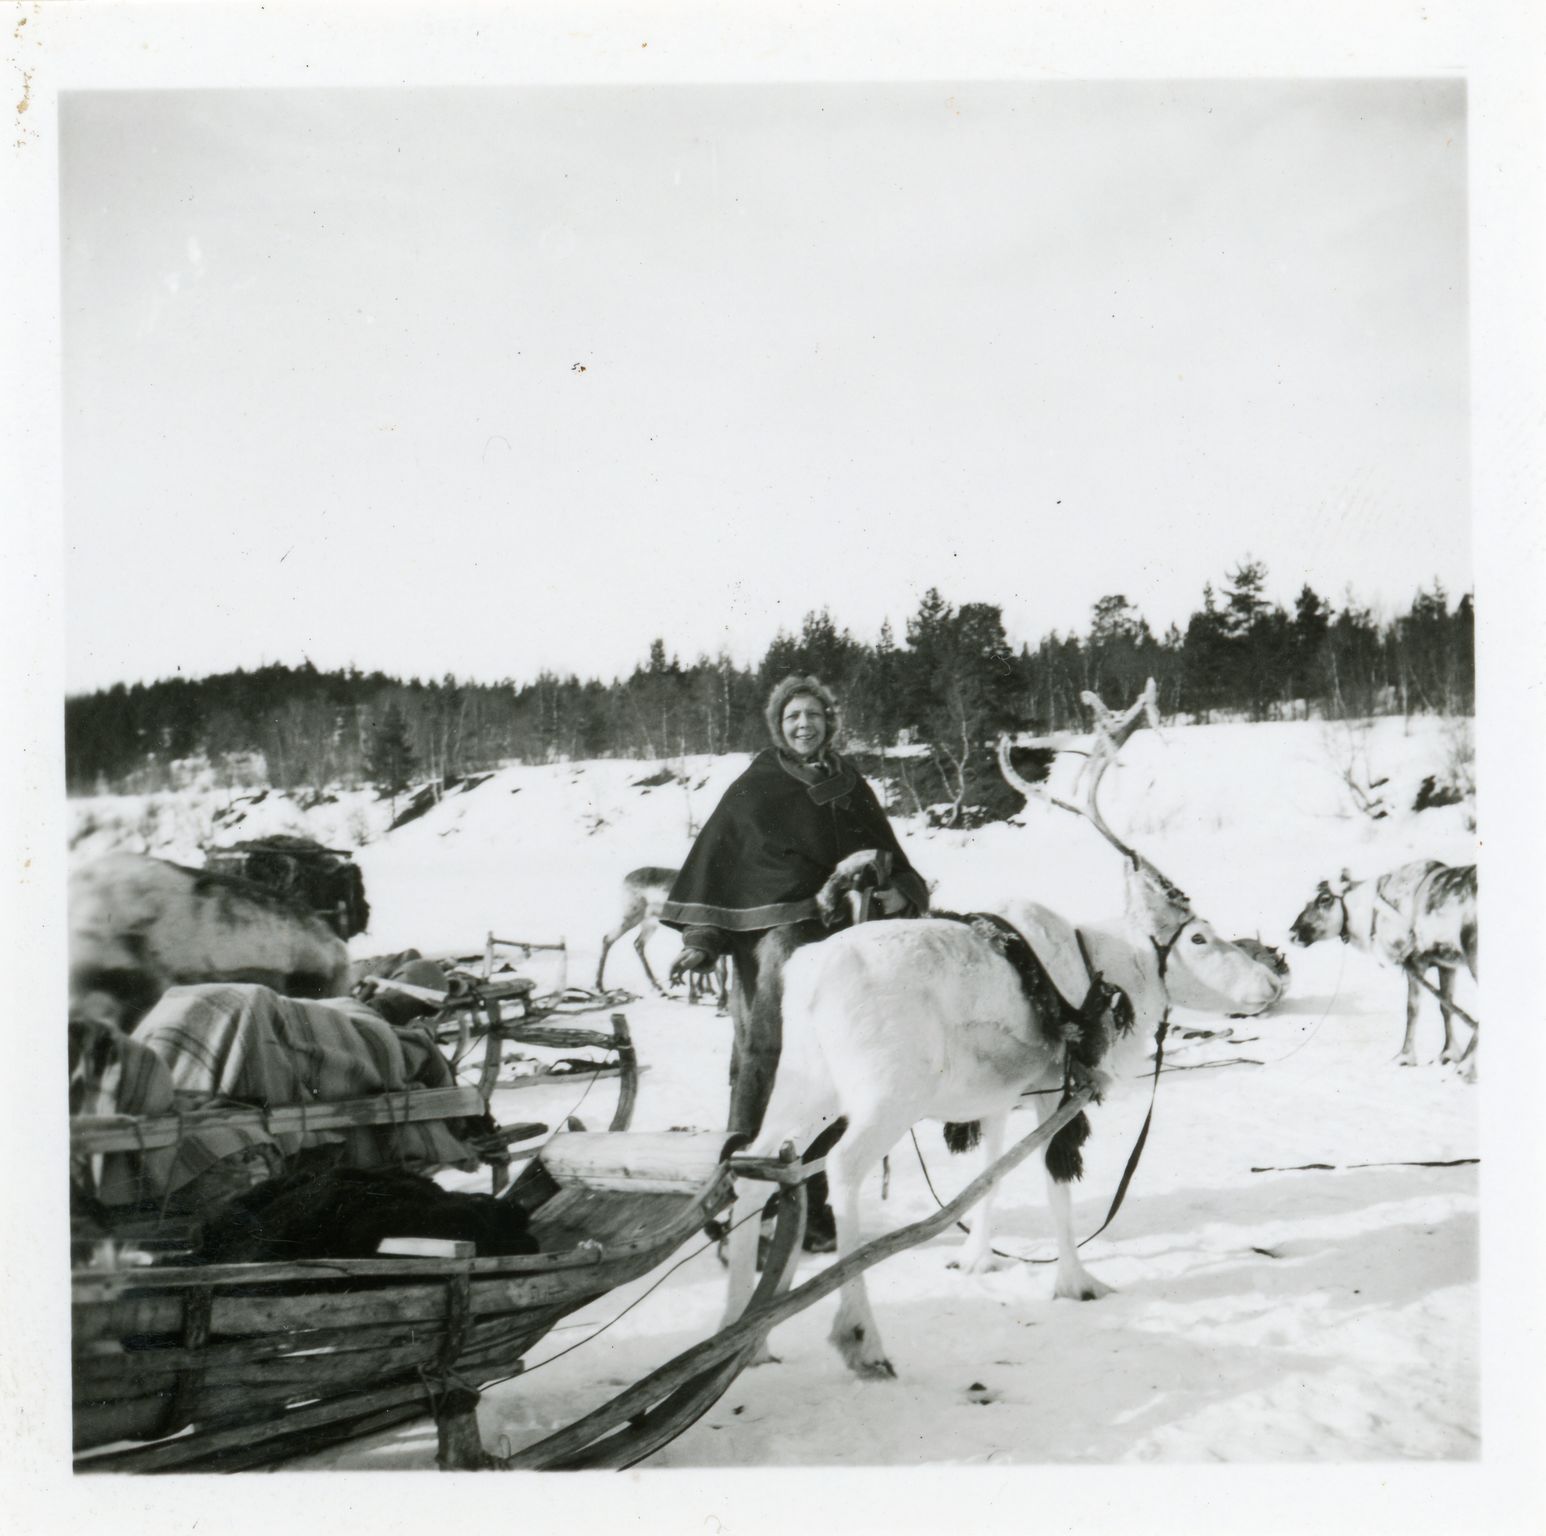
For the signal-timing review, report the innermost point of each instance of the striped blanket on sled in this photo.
(211, 1045)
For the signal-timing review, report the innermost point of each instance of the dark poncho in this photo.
(773, 840)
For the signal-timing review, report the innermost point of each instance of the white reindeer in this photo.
(139, 925)
(886, 1024)
(1417, 916)
(644, 891)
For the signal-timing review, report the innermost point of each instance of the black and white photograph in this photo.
(767, 749)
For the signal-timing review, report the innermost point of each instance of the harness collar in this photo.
(1162, 951)
(1342, 933)
(1102, 994)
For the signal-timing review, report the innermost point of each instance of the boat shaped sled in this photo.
(224, 1367)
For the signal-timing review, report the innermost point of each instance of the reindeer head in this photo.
(1324, 916)
(1201, 969)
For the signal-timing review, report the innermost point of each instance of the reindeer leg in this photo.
(745, 1229)
(1468, 1058)
(855, 1335)
(646, 930)
(608, 939)
(977, 1256)
(1072, 1280)
(1446, 1008)
(1408, 1056)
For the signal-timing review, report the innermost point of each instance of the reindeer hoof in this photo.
(876, 1370)
(762, 1355)
(1406, 1059)
(984, 1264)
(862, 1355)
(1083, 1287)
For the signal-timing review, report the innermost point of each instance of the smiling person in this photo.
(749, 885)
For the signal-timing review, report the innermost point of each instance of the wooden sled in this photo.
(224, 1367)
(185, 1348)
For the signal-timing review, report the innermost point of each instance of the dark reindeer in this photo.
(1420, 916)
(139, 925)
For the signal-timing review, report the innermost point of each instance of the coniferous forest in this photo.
(951, 681)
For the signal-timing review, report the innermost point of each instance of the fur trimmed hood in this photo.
(791, 687)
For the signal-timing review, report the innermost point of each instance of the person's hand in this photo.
(690, 960)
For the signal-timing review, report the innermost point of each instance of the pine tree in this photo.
(885, 687)
(961, 688)
(1205, 671)
(1311, 626)
(390, 755)
(1120, 649)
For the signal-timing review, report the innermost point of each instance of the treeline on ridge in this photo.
(950, 683)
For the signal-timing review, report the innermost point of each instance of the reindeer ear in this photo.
(1345, 881)
(1324, 888)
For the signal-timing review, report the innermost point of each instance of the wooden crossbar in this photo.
(92, 1134)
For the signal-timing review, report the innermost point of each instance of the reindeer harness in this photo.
(1402, 952)
(1052, 1009)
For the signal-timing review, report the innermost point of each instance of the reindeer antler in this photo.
(1111, 733)
(1112, 729)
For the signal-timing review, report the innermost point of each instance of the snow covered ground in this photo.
(1315, 1315)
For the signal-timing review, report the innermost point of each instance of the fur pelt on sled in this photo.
(344, 1213)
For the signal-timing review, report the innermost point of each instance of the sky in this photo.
(496, 380)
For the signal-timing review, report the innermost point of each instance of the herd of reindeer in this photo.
(884, 1023)
(1419, 917)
